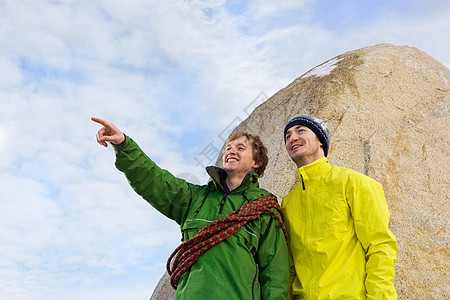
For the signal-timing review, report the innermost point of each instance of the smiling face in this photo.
(238, 156)
(303, 145)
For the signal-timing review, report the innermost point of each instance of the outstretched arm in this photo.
(169, 195)
(109, 133)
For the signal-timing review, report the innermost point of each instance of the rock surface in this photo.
(163, 290)
(387, 108)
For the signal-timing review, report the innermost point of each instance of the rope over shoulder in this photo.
(215, 232)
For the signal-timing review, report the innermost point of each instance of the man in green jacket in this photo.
(252, 263)
(337, 221)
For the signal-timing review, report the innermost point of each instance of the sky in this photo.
(177, 76)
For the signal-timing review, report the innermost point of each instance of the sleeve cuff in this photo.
(121, 147)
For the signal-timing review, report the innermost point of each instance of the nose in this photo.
(230, 151)
(293, 137)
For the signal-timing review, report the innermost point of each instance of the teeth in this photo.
(232, 159)
(295, 147)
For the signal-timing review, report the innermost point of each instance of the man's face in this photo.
(238, 156)
(303, 145)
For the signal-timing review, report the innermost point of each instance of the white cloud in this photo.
(171, 74)
(9, 73)
(268, 8)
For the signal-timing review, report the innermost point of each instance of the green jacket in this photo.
(251, 264)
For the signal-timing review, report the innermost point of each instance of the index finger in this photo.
(100, 121)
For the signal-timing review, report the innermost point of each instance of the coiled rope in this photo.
(189, 252)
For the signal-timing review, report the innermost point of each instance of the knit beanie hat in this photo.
(313, 123)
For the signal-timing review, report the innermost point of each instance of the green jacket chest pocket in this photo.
(248, 237)
(192, 226)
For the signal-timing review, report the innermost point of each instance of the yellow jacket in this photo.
(340, 245)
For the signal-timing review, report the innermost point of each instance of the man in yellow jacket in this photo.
(337, 220)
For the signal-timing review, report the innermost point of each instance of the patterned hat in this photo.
(313, 123)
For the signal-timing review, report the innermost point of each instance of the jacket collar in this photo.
(315, 169)
(218, 176)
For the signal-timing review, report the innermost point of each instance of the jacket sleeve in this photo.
(273, 260)
(168, 194)
(292, 275)
(371, 218)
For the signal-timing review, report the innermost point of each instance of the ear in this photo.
(256, 165)
(321, 145)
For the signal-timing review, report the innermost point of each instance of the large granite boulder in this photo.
(388, 111)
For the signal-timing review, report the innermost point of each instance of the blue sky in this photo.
(175, 76)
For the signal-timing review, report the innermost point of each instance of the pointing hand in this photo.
(109, 133)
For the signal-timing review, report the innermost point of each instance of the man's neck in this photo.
(307, 160)
(233, 181)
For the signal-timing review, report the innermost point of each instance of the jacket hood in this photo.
(218, 176)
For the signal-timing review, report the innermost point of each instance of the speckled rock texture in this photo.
(387, 108)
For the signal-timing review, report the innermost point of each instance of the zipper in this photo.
(254, 281)
(204, 198)
(303, 183)
(253, 253)
(226, 192)
(222, 203)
